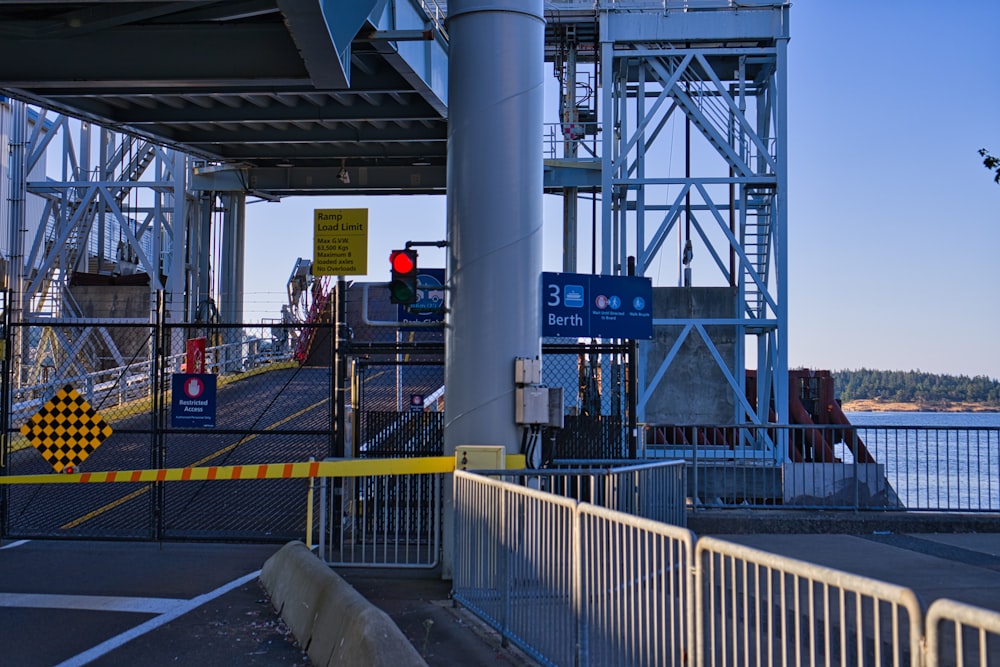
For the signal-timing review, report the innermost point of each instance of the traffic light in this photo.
(403, 285)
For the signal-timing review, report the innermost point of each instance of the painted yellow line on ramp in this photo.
(251, 436)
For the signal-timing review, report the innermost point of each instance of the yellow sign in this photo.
(66, 430)
(340, 242)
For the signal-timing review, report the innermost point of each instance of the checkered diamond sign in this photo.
(66, 430)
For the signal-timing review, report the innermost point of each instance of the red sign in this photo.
(195, 362)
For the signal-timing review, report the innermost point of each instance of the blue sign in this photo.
(578, 305)
(192, 400)
(430, 298)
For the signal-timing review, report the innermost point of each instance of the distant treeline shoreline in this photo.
(924, 390)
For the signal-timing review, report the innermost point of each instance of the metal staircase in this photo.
(756, 241)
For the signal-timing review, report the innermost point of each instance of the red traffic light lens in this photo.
(402, 261)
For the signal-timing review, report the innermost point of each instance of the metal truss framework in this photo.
(115, 205)
(720, 70)
(722, 78)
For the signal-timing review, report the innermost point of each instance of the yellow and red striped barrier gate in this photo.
(303, 470)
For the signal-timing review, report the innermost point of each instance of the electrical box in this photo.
(556, 410)
(532, 405)
(527, 371)
(480, 457)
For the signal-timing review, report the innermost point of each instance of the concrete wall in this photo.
(109, 301)
(694, 389)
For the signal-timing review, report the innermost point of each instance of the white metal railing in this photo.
(437, 12)
(959, 634)
(380, 521)
(122, 384)
(635, 590)
(758, 608)
(514, 553)
(654, 490)
(574, 584)
(572, 141)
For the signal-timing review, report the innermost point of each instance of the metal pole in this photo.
(17, 146)
(570, 119)
(340, 368)
(495, 149)
(159, 373)
(632, 387)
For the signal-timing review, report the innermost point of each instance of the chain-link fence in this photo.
(62, 381)
(596, 386)
(95, 397)
(104, 397)
(272, 405)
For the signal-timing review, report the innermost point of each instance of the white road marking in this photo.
(14, 544)
(111, 644)
(90, 602)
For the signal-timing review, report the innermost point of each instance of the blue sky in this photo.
(894, 224)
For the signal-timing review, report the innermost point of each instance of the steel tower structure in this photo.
(114, 206)
(710, 71)
(715, 72)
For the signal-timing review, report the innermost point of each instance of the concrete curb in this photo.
(329, 618)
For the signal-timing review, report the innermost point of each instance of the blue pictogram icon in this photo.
(573, 296)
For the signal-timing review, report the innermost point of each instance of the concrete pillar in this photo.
(495, 99)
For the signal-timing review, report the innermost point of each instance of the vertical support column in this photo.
(18, 225)
(780, 103)
(233, 253)
(176, 279)
(106, 174)
(495, 83)
(239, 242)
(608, 118)
(570, 119)
(204, 258)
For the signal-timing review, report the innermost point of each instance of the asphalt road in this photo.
(274, 417)
(117, 603)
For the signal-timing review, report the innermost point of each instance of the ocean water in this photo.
(936, 419)
(946, 461)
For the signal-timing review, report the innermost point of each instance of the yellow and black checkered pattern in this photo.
(66, 430)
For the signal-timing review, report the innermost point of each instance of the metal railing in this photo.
(655, 490)
(132, 382)
(569, 582)
(514, 551)
(380, 521)
(917, 468)
(636, 590)
(959, 634)
(574, 584)
(757, 608)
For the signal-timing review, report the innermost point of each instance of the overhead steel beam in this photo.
(321, 29)
(304, 180)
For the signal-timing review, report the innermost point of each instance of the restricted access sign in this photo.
(340, 242)
(192, 400)
(578, 305)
